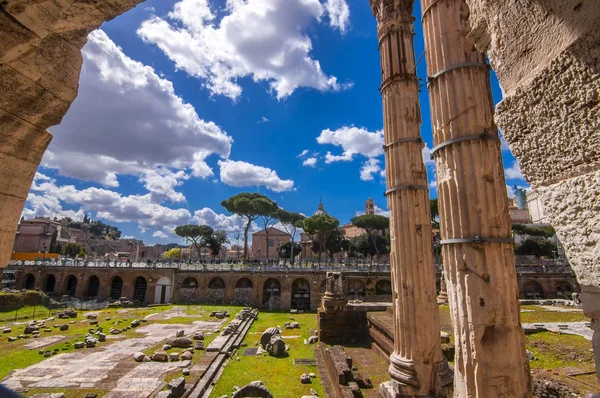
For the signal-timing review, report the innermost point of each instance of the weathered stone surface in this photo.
(174, 356)
(179, 342)
(186, 356)
(63, 327)
(276, 346)
(265, 338)
(304, 378)
(416, 364)
(177, 387)
(254, 389)
(139, 356)
(160, 356)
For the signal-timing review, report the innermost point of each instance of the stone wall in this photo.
(40, 61)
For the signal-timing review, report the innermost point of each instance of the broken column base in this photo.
(394, 389)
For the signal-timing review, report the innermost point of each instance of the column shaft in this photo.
(480, 272)
(417, 365)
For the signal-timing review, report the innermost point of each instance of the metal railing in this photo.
(277, 265)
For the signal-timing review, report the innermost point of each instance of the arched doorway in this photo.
(272, 294)
(139, 288)
(243, 291)
(93, 286)
(116, 288)
(162, 292)
(71, 285)
(383, 291)
(564, 290)
(188, 293)
(356, 290)
(29, 282)
(50, 284)
(300, 294)
(532, 290)
(216, 291)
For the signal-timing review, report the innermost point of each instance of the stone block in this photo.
(177, 387)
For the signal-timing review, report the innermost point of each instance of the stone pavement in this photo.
(577, 328)
(91, 368)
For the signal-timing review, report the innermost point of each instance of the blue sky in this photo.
(185, 103)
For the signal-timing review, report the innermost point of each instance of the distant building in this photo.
(36, 235)
(260, 243)
(518, 215)
(536, 209)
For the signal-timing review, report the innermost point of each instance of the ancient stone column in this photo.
(417, 367)
(442, 297)
(475, 225)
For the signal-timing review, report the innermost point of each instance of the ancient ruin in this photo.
(477, 243)
(545, 54)
(417, 365)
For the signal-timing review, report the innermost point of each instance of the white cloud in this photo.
(303, 153)
(433, 185)
(339, 14)
(263, 120)
(162, 182)
(504, 144)
(128, 237)
(231, 224)
(427, 156)
(128, 120)
(312, 162)
(380, 211)
(353, 140)
(514, 172)
(243, 174)
(160, 235)
(370, 167)
(48, 197)
(262, 39)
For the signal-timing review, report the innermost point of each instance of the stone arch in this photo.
(356, 290)
(532, 289)
(116, 287)
(29, 283)
(272, 294)
(188, 292)
(71, 285)
(216, 291)
(189, 283)
(163, 290)
(244, 290)
(216, 283)
(243, 283)
(300, 294)
(564, 290)
(93, 286)
(49, 283)
(383, 290)
(139, 288)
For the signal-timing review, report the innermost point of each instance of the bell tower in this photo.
(369, 206)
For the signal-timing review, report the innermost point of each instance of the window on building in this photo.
(271, 243)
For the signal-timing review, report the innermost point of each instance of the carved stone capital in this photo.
(386, 11)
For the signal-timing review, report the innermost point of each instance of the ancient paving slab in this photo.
(87, 368)
(578, 328)
(44, 341)
(560, 309)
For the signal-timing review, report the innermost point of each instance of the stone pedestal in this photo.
(442, 297)
(590, 300)
(418, 368)
(475, 226)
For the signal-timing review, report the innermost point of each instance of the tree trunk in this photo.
(292, 248)
(246, 239)
(267, 251)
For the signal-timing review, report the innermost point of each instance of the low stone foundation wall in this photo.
(243, 296)
(215, 296)
(188, 295)
(343, 327)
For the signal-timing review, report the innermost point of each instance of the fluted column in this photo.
(474, 221)
(418, 368)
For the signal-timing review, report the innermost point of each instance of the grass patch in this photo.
(542, 315)
(553, 351)
(280, 375)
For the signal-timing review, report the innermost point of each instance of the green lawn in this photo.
(541, 315)
(280, 375)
